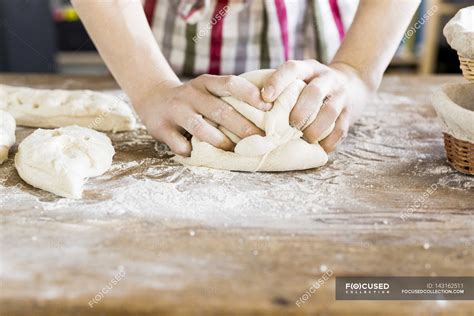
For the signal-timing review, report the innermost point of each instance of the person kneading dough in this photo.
(213, 41)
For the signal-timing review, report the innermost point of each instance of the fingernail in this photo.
(264, 106)
(268, 92)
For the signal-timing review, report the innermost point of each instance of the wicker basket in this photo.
(467, 67)
(453, 104)
(460, 154)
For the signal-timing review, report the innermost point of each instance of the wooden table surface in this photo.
(195, 241)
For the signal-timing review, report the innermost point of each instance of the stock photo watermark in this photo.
(419, 202)
(98, 120)
(313, 288)
(419, 23)
(204, 31)
(119, 275)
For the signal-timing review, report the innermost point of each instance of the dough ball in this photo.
(60, 160)
(281, 149)
(58, 108)
(7, 134)
(459, 32)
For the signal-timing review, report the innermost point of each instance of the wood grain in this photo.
(256, 251)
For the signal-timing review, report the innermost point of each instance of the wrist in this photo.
(370, 81)
(141, 99)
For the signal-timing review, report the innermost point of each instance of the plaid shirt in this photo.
(235, 36)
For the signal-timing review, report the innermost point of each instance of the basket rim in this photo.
(441, 97)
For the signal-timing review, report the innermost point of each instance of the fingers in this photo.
(328, 114)
(223, 114)
(196, 125)
(171, 136)
(309, 103)
(205, 132)
(237, 87)
(176, 141)
(338, 134)
(287, 74)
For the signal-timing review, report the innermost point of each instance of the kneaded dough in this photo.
(7, 134)
(459, 32)
(58, 108)
(281, 149)
(60, 160)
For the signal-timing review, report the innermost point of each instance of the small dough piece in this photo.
(7, 134)
(459, 32)
(281, 149)
(60, 160)
(59, 108)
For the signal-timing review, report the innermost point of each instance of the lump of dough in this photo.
(60, 160)
(281, 149)
(59, 108)
(7, 134)
(459, 32)
(297, 154)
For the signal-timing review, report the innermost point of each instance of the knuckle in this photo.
(187, 89)
(253, 94)
(159, 124)
(174, 104)
(156, 133)
(222, 113)
(247, 130)
(230, 82)
(340, 133)
(313, 63)
(297, 116)
(291, 65)
(218, 114)
(196, 125)
(202, 77)
(313, 89)
(331, 110)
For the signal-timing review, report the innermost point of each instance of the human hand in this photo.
(195, 106)
(335, 92)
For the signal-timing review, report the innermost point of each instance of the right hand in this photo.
(174, 107)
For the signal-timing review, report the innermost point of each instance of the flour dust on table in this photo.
(281, 149)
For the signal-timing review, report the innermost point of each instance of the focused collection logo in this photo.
(367, 288)
(404, 288)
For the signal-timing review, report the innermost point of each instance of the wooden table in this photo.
(194, 241)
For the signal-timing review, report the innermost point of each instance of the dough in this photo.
(282, 149)
(459, 32)
(60, 160)
(58, 108)
(7, 134)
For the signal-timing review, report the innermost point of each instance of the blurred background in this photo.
(47, 36)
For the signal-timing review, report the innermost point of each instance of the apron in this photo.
(235, 36)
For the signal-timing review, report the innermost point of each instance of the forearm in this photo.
(374, 37)
(121, 34)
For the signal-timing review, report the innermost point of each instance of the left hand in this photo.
(336, 92)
